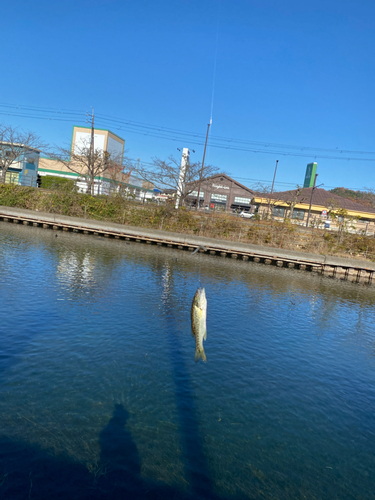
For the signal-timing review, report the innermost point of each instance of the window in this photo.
(242, 201)
(298, 214)
(219, 197)
(12, 177)
(278, 211)
(195, 193)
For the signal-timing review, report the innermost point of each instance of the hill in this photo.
(366, 198)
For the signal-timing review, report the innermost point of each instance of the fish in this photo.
(198, 323)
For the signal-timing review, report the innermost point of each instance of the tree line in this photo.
(365, 197)
(90, 162)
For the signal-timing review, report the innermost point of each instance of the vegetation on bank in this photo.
(59, 183)
(64, 200)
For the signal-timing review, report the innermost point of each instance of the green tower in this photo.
(310, 175)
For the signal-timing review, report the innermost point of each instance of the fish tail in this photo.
(200, 354)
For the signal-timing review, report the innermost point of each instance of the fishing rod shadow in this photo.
(193, 457)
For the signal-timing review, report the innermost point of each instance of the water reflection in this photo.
(76, 270)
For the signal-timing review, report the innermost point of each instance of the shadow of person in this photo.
(119, 465)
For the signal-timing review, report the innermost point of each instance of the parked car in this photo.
(246, 215)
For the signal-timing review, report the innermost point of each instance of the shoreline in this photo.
(354, 270)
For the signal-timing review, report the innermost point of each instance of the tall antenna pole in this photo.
(92, 154)
(200, 177)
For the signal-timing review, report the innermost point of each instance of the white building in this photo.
(105, 141)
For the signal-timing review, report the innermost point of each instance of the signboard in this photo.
(324, 212)
(310, 175)
(219, 197)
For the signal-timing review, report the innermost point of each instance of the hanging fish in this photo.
(198, 323)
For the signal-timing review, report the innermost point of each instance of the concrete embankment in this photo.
(342, 268)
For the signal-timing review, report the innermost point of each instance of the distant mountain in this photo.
(366, 198)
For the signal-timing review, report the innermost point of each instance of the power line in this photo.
(264, 181)
(215, 140)
(167, 133)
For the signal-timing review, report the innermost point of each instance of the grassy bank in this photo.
(118, 209)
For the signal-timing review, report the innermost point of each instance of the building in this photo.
(24, 170)
(295, 204)
(141, 190)
(221, 192)
(105, 141)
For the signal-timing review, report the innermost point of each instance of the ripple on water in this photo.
(100, 388)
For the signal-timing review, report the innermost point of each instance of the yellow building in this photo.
(295, 205)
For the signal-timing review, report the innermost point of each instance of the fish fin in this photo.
(200, 354)
(205, 335)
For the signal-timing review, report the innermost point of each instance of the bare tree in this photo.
(13, 145)
(331, 206)
(293, 200)
(166, 174)
(86, 161)
(119, 174)
(261, 188)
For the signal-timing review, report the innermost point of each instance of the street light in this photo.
(182, 176)
(312, 194)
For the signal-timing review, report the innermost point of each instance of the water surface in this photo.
(101, 397)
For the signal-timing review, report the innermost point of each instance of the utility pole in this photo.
(274, 176)
(312, 193)
(273, 183)
(200, 177)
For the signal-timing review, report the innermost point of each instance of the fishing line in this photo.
(215, 60)
(215, 64)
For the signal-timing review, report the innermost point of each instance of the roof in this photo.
(99, 129)
(213, 177)
(321, 197)
(19, 145)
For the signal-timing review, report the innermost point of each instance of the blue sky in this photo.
(289, 76)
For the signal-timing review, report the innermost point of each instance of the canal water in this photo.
(101, 398)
